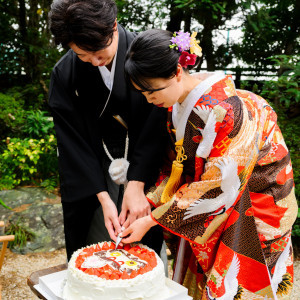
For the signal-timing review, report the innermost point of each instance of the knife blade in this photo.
(119, 239)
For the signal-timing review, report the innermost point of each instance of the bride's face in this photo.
(164, 92)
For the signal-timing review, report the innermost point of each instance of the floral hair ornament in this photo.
(183, 42)
(186, 59)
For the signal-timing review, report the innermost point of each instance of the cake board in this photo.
(51, 286)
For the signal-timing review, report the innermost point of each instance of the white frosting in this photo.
(82, 286)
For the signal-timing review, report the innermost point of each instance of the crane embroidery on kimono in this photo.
(208, 132)
(230, 185)
(231, 283)
(280, 267)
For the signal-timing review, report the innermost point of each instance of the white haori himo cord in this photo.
(119, 166)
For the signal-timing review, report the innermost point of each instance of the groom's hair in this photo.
(87, 23)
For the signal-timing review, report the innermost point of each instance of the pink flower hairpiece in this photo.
(183, 42)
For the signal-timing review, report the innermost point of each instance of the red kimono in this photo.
(235, 205)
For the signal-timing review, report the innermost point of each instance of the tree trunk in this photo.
(208, 49)
(33, 40)
(23, 34)
(176, 17)
(187, 20)
(292, 35)
(22, 20)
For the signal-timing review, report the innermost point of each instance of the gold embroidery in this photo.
(171, 219)
(190, 282)
(285, 285)
(223, 145)
(213, 226)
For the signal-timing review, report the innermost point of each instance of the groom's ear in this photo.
(116, 25)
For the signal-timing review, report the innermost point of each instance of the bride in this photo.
(228, 196)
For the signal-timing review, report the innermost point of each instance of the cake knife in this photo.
(119, 239)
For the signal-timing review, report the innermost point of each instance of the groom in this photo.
(87, 91)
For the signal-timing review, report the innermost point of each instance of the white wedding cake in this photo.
(99, 271)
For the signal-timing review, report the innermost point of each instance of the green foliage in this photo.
(22, 235)
(288, 63)
(4, 205)
(270, 28)
(283, 91)
(33, 96)
(50, 184)
(22, 112)
(9, 63)
(30, 157)
(11, 115)
(216, 7)
(25, 161)
(296, 227)
(140, 15)
(38, 124)
(286, 89)
(212, 16)
(26, 48)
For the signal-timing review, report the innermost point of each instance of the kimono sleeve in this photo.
(149, 148)
(80, 171)
(224, 159)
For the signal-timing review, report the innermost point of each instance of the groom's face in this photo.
(103, 57)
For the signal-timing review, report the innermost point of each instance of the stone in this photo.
(37, 211)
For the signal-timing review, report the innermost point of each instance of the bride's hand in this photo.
(137, 229)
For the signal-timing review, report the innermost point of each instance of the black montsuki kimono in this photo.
(77, 98)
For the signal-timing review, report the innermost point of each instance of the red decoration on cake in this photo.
(112, 267)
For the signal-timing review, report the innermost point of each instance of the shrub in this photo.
(38, 124)
(50, 184)
(25, 161)
(286, 90)
(22, 235)
(11, 116)
(32, 95)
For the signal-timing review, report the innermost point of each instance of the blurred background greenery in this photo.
(255, 41)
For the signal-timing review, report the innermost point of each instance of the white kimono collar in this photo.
(108, 76)
(180, 114)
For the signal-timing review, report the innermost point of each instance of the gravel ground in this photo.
(17, 268)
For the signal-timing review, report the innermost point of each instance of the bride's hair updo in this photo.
(150, 56)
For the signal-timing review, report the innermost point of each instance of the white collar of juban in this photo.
(108, 80)
(108, 76)
(181, 112)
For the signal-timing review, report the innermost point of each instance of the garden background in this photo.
(255, 41)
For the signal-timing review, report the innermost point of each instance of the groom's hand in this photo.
(110, 213)
(135, 204)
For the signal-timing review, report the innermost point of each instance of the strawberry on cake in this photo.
(100, 271)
